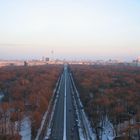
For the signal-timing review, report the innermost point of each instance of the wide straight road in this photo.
(64, 126)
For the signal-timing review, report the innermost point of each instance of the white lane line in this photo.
(64, 130)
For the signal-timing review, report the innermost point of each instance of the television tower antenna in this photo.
(52, 52)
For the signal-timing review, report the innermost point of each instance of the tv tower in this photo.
(52, 53)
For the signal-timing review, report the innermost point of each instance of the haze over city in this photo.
(73, 29)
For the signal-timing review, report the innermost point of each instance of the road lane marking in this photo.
(64, 130)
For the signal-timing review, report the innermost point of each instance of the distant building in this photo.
(43, 58)
(136, 62)
(25, 63)
(47, 59)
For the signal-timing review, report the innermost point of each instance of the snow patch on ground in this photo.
(25, 130)
(108, 131)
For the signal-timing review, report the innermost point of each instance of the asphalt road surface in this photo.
(64, 126)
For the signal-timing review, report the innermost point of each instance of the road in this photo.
(68, 120)
(64, 120)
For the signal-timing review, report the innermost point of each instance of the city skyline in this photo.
(73, 30)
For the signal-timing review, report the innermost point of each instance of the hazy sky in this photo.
(73, 29)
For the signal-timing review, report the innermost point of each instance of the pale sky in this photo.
(73, 29)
